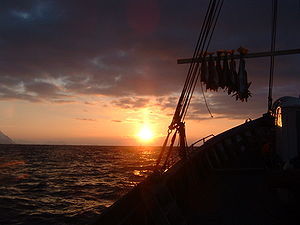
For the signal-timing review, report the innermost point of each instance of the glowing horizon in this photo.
(80, 123)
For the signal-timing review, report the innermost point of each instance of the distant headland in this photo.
(5, 139)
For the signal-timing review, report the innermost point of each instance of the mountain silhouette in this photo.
(5, 139)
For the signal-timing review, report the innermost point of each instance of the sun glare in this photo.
(145, 134)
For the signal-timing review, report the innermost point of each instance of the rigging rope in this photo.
(194, 65)
(205, 101)
(272, 59)
(210, 23)
(193, 75)
(219, 6)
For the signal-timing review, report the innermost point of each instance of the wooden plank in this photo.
(250, 55)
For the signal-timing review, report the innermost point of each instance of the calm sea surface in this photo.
(43, 184)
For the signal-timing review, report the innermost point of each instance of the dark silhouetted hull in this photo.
(231, 179)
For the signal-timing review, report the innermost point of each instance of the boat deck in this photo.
(231, 179)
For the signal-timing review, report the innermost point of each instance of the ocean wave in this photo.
(67, 184)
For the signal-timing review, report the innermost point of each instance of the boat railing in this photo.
(202, 139)
(174, 158)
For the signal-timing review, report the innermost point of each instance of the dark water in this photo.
(66, 184)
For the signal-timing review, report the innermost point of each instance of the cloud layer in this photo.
(59, 50)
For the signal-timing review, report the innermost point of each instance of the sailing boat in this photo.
(245, 175)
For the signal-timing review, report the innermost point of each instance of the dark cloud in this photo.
(89, 103)
(42, 88)
(53, 50)
(117, 121)
(221, 105)
(167, 102)
(61, 101)
(7, 93)
(86, 119)
(131, 102)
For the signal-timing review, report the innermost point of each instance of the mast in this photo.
(272, 59)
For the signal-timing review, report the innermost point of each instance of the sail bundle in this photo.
(219, 72)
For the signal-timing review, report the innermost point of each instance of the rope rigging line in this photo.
(197, 45)
(215, 19)
(186, 89)
(272, 59)
(194, 65)
(199, 41)
(177, 124)
(210, 30)
(205, 101)
(214, 12)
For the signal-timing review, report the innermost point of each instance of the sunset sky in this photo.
(97, 72)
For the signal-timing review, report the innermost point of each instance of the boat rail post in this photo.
(182, 140)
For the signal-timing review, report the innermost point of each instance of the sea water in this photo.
(58, 185)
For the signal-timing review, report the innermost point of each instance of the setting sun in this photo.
(145, 134)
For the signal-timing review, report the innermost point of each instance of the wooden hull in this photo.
(231, 179)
